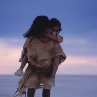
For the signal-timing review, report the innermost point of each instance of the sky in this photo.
(79, 29)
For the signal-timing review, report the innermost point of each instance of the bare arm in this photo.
(60, 38)
(57, 38)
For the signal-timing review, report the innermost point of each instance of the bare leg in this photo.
(46, 93)
(30, 92)
(22, 65)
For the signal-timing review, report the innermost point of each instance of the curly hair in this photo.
(38, 27)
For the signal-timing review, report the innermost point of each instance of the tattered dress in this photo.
(39, 54)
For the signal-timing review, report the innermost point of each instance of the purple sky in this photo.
(79, 27)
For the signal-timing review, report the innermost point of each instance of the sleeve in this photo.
(23, 54)
(24, 51)
(58, 51)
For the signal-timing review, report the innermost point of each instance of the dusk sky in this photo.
(79, 29)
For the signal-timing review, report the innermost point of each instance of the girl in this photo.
(52, 34)
(41, 57)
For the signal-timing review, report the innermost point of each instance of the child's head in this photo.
(55, 25)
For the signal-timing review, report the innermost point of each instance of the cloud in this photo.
(79, 46)
(81, 60)
(70, 40)
(9, 55)
(79, 65)
(74, 64)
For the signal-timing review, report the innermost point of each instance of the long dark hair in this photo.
(38, 27)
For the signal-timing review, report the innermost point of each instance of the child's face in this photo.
(56, 29)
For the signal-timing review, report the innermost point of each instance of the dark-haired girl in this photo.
(42, 54)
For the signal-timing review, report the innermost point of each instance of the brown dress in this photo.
(39, 54)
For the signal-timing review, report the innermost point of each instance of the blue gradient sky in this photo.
(79, 29)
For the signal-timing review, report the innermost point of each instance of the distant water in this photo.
(66, 86)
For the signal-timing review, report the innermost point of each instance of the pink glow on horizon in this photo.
(9, 57)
